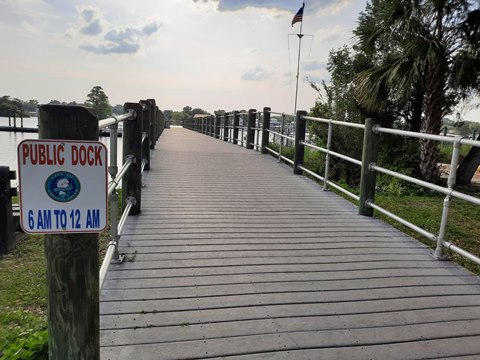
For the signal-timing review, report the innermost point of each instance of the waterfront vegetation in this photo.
(23, 298)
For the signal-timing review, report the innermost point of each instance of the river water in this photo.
(10, 140)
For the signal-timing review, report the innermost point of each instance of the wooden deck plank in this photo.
(233, 256)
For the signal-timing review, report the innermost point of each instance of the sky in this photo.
(210, 54)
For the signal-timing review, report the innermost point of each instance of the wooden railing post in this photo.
(152, 129)
(7, 230)
(132, 147)
(236, 123)
(71, 259)
(265, 127)
(217, 126)
(210, 125)
(252, 114)
(148, 115)
(368, 177)
(300, 128)
(226, 120)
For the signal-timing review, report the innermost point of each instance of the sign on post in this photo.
(63, 186)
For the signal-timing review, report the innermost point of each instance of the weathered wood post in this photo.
(252, 116)
(132, 148)
(368, 177)
(226, 130)
(71, 259)
(148, 115)
(236, 123)
(265, 128)
(210, 125)
(300, 127)
(7, 230)
(217, 126)
(152, 129)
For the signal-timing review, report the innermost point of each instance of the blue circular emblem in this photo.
(62, 186)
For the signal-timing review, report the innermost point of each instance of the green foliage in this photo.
(29, 345)
(15, 107)
(23, 303)
(99, 101)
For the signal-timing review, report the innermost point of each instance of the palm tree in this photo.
(427, 52)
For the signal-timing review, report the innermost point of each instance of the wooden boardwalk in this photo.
(235, 257)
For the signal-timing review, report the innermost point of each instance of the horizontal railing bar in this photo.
(402, 221)
(130, 114)
(315, 175)
(281, 135)
(106, 261)
(346, 192)
(114, 182)
(449, 139)
(272, 151)
(344, 157)
(462, 252)
(286, 159)
(427, 185)
(335, 122)
(144, 162)
(144, 136)
(282, 114)
(126, 212)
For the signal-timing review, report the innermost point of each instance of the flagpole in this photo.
(298, 62)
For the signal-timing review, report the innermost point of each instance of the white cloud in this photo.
(256, 74)
(102, 37)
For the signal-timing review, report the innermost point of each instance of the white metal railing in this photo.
(116, 225)
(368, 166)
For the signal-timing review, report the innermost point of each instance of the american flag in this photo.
(298, 16)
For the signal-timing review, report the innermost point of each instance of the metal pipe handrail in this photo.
(272, 151)
(114, 182)
(344, 157)
(424, 136)
(402, 221)
(438, 188)
(113, 245)
(129, 115)
(281, 135)
(286, 159)
(335, 122)
(282, 114)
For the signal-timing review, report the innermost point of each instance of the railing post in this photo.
(250, 128)
(368, 176)
(211, 122)
(152, 128)
(452, 179)
(226, 130)
(148, 115)
(265, 128)
(300, 128)
(236, 123)
(71, 259)
(132, 146)
(217, 126)
(7, 230)
(327, 157)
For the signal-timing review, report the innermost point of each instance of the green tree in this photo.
(99, 101)
(425, 49)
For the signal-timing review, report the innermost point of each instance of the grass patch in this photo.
(23, 300)
(23, 297)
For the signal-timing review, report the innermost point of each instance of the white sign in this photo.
(63, 186)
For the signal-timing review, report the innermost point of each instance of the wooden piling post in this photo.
(132, 140)
(252, 114)
(7, 230)
(226, 130)
(152, 129)
(217, 126)
(236, 123)
(71, 259)
(265, 128)
(368, 177)
(148, 116)
(300, 128)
